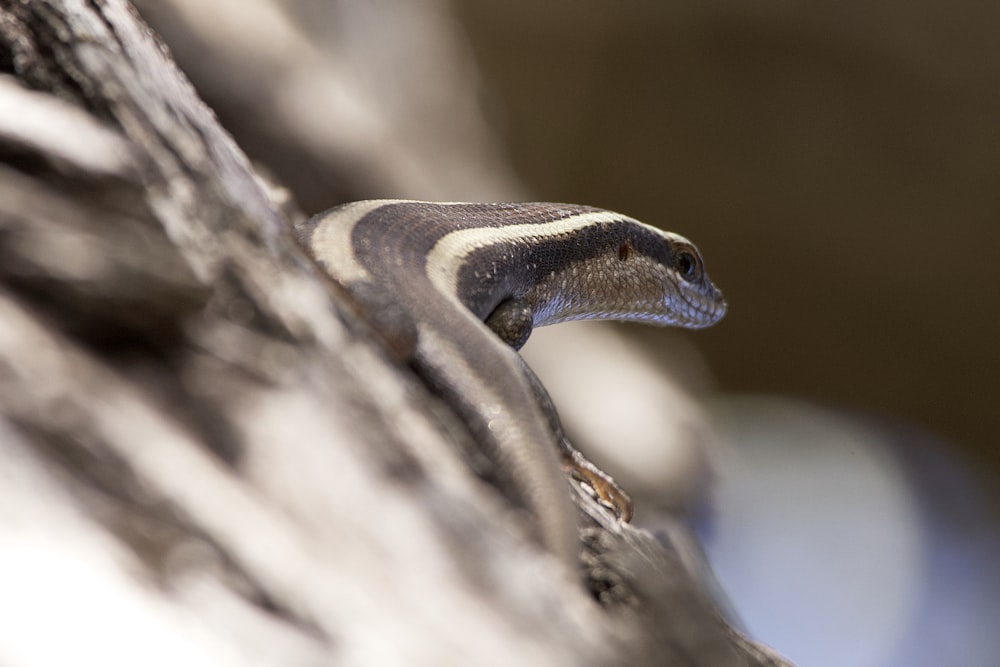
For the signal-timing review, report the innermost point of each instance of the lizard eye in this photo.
(688, 264)
(685, 262)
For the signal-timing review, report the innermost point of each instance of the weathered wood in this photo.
(206, 460)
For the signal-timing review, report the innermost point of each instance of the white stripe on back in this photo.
(448, 255)
(331, 240)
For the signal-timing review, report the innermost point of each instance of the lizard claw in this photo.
(605, 490)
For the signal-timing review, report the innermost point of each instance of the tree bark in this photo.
(205, 457)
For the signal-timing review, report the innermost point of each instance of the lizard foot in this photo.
(605, 490)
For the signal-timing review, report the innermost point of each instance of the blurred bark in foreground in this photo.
(204, 461)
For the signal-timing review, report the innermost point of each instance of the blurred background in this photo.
(837, 164)
(839, 167)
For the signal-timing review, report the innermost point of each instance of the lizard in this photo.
(456, 289)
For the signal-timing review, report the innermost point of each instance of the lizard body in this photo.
(465, 283)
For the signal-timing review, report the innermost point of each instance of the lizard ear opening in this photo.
(624, 251)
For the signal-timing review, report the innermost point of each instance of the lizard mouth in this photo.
(706, 306)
